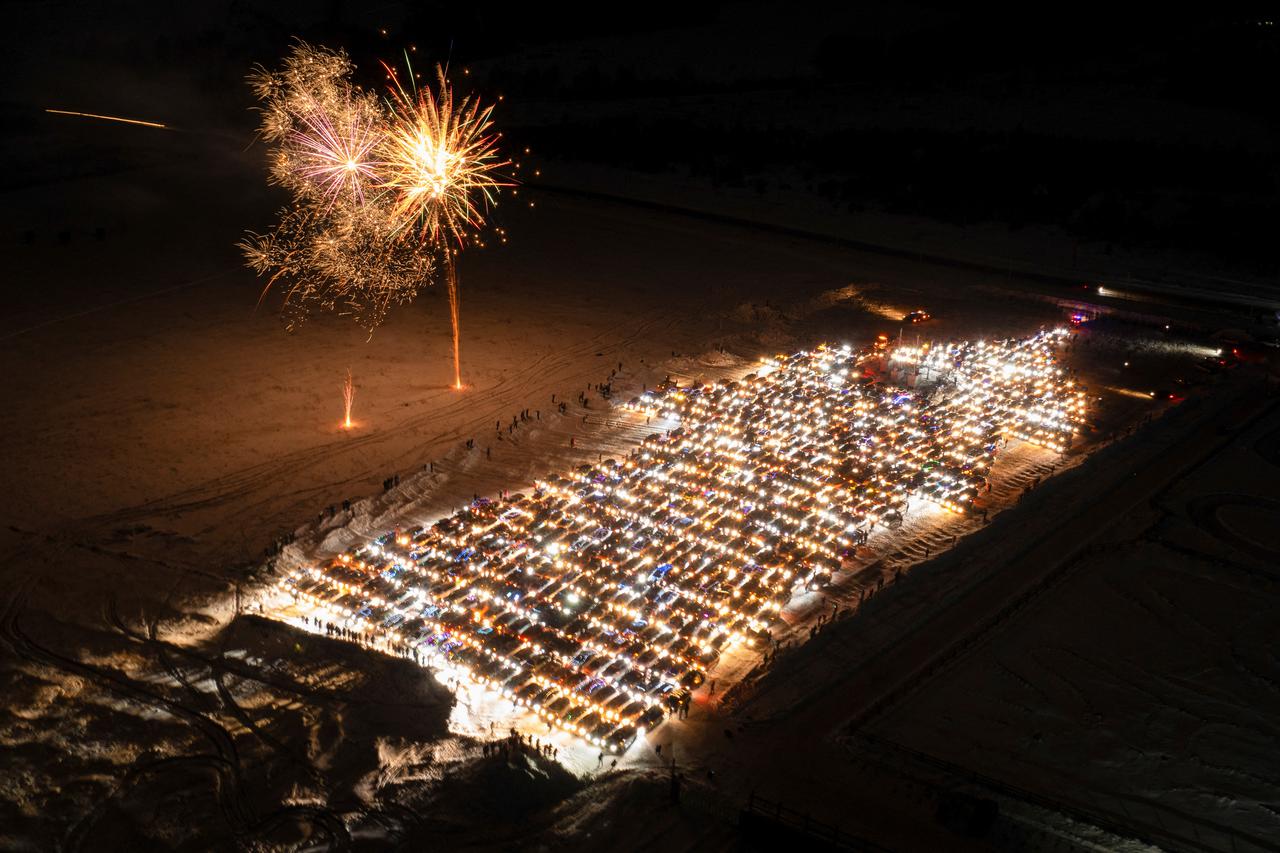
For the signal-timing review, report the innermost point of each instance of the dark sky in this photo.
(1129, 127)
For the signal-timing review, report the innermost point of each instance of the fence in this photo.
(766, 825)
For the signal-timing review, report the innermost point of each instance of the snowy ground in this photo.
(1168, 702)
(161, 434)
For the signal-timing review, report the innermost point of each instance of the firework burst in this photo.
(385, 192)
(332, 150)
(440, 158)
(336, 247)
(308, 76)
(324, 129)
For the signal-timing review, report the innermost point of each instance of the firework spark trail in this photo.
(451, 286)
(348, 396)
(136, 121)
(441, 160)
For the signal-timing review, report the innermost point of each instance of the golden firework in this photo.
(440, 160)
(440, 163)
(385, 192)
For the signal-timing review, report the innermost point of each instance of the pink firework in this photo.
(332, 149)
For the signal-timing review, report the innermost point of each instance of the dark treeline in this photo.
(1203, 188)
(1217, 200)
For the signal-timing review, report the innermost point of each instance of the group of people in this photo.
(280, 542)
(605, 389)
(523, 416)
(516, 743)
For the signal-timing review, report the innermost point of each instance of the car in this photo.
(600, 734)
(588, 725)
(692, 679)
(917, 316)
(676, 698)
(523, 694)
(819, 580)
(621, 738)
(651, 717)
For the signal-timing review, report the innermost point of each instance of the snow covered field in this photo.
(1167, 703)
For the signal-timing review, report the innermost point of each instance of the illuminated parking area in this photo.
(599, 601)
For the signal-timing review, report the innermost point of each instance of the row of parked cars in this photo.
(601, 599)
